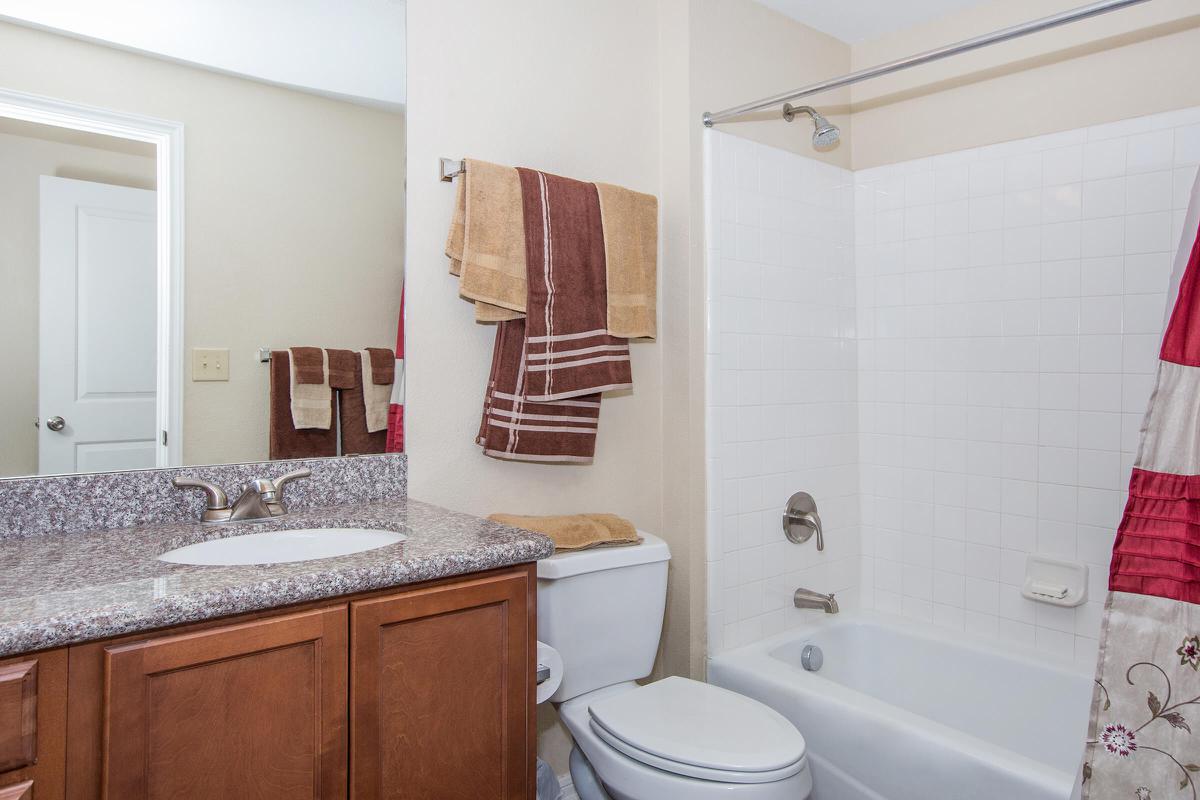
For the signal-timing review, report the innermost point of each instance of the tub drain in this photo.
(811, 657)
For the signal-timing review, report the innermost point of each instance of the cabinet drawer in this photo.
(33, 711)
(18, 715)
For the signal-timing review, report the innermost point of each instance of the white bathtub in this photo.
(903, 712)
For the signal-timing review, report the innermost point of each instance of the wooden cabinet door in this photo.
(255, 710)
(442, 692)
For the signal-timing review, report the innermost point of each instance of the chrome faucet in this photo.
(807, 598)
(263, 499)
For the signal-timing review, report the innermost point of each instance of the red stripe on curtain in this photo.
(395, 429)
(1181, 342)
(1157, 551)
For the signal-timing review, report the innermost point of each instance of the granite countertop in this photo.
(59, 589)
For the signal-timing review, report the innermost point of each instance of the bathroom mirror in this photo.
(176, 205)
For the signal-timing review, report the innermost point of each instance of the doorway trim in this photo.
(167, 138)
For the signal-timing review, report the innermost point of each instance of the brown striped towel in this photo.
(568, 351)
(517, 429)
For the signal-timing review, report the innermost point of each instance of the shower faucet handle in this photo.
(801, 520)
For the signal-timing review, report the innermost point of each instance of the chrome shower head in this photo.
(825, 134)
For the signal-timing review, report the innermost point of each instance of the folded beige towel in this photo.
(631, 260)
(576, 531)
(312, 403)
(486, 244)
(376, 396)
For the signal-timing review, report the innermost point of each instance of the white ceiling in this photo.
(858, 20)
(354, 49)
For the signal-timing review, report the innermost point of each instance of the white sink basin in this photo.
(282, 547)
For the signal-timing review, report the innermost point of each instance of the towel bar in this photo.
(452, 168)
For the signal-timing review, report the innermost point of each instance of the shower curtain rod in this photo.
(995, 37)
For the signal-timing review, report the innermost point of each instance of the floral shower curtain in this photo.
(1141, 744)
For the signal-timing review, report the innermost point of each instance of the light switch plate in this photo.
(210, 364)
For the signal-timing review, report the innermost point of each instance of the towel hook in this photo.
(452, 168)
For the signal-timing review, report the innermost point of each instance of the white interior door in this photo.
(98, 307)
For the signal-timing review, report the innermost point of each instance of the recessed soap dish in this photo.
(1049, 580)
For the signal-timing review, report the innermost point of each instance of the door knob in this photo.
(56, 424)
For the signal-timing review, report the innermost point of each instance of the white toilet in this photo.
(602, 610)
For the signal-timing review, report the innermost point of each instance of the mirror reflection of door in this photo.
(97, 321)
(79, 300)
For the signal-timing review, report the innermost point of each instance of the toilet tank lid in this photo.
(577, 562)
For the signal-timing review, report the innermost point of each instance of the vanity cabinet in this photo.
(422, 692)
(33, 712)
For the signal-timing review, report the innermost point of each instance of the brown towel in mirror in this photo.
(285, 440)
(309, 365)
(345, 375)
(311, 400)
(343, 369)
(377, 396)
(383, 366)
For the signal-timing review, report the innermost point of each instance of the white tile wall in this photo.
(781, 383)
(953, 354)
(1009, 305)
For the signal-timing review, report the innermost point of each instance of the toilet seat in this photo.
(700, 731)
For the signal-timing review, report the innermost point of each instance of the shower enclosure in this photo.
(953, 355)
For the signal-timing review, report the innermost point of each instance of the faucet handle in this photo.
(288, 477)
(801, 520)
(272, 491)
(217, 500)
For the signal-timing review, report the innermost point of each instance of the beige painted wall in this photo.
(1124, 64)
(742, 51)
(24, 158)
(604, 91)
(294, 215)
(572, 88)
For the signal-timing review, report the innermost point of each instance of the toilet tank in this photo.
(602, 610)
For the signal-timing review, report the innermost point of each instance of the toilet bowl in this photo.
(674, 738)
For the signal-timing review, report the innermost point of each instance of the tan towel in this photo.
(576, 531)
(631, 260)
(486, 244)
(311, 402)
(376, 396)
